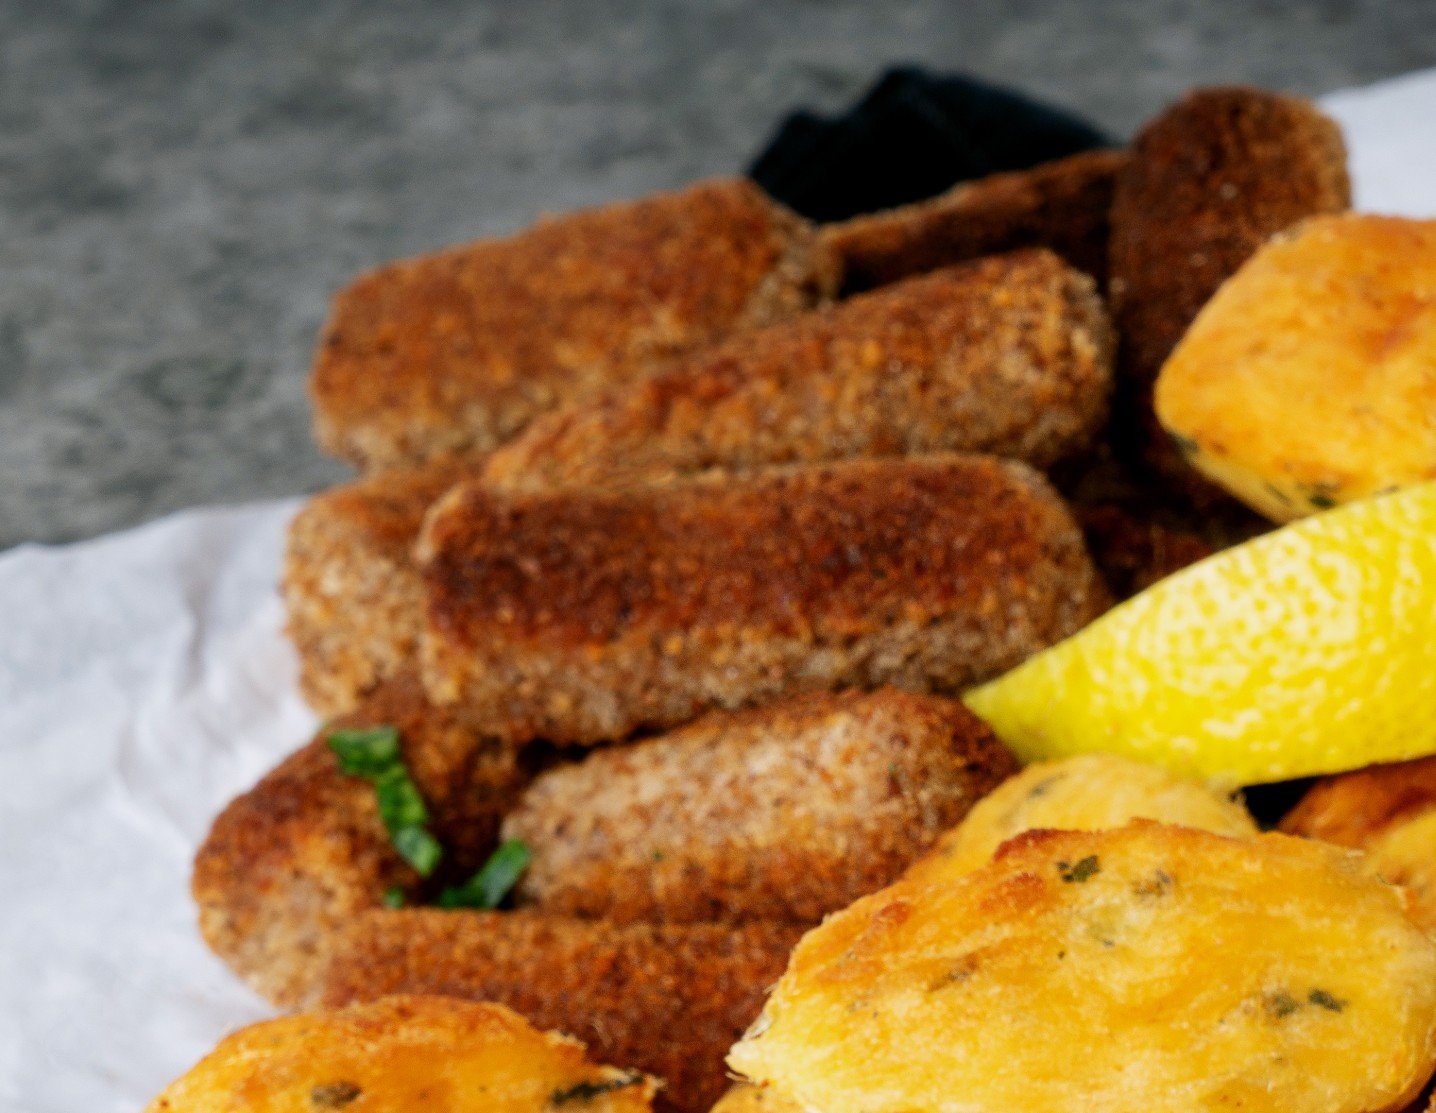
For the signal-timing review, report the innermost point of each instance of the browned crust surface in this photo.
(1355, 809)
(1009, 355)
(582, 615)
(1061, 205)
(353, 593)
(667, 999)
(287, 863)
(786, 811)
(1208, 182)
(458, 350)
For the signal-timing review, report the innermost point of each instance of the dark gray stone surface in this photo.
(182, 185)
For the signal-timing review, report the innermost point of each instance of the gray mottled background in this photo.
(182, 185)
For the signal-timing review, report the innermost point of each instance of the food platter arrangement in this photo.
(972, 656)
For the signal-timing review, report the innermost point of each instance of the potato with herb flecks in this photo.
(1149, 967)
(403, 1055)
(1090, 792)
(1310, 377)
(754, 1099)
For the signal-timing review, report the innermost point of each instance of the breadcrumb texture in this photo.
(582, 615)
(403, 1054)
(1061, 205)
(1309, 379)
(1355, 809)
(289, 862)
(664, 999)
(1090, 792)
(786, 811)
(353, 593)
(1009, 355)
(457, 351)
(1150, 967)
(1207, 183)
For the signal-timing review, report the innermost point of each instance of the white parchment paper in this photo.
(144, 682)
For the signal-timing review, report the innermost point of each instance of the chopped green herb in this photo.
(1080, 870)
(1322, 502)
(365, 752)
(587, 1091)
(489, 887)
(417, 847)
(393, 897)
(334, 1095)
(1281, 1004)
(658, 855)
(400, 804)
(1324, 1000)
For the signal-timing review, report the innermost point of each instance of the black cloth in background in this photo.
(912, 136)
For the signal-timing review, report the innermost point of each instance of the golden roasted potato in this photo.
(1149, 967)
(1310, 377)
(1405, 855)
(1090, 792)
(403, 1055)
(743, 1098)
(1355, 809)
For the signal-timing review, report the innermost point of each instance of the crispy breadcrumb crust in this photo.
(403, 1054)
(666, 999)
(1009, 355)
(1355, 809)
(583, 615)
(458, 350)
(353, 593)
(786, 811)
(1207, 183)
(288, 862)
(1061, 205)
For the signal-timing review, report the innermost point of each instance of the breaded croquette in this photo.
(403, 1055)
(1090, 792)
(743, 1098)
(459, 350)
(288, 862)
(1061, 205)
(665, 999)
(1009, 355)
(785, 811)
(1405, 855)
(354, 596)
(1207, 183)
(1149, 967)
(579, 616)
(1355, 809)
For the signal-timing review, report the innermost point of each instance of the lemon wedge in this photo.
(1311, 649)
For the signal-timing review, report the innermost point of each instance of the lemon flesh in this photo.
(1309, 650)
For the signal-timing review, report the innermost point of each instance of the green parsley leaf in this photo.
(417, 847)
(587, 1091)
(400, 804)
(1080, 870)
(489, 887)
(1324, 1000)
(393, 897)
(365, 752)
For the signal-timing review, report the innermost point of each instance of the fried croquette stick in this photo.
(288, 862)
(1008, 355)
(579, 616)
(1149, 967)
(1061, 205)
(458, 350)
(354, 596)
(403, 1055)
(1355, 809)
(1207, 183)
(665, 999)
(785, 811)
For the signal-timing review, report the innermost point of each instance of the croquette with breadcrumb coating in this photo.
(1061, 205)
(286, 863)
(354, 596)
(403, 1055)
(1207, 182)
(457, 351)
(1355, 809)
(1008, 355)
(785, 811)
(583, 615)
(665, 999)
